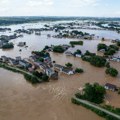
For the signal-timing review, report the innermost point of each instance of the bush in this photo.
(8, 46)
(41, 53)
(58, 49)
(86, 58)
(94, 93)
(101, 46)
(107, 65)
(78, 52)
(112, 72)
(41, 59)
(116, 48)
(89, 53)
(98, 61)
(118, 43)
(45, 78)
(79, 70)
(110, 51)
(31, 79)
(37, 74)
(76, 42)
(69, 65)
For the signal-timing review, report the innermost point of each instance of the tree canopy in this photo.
(98, 61)
(94, 93)
(112, 72)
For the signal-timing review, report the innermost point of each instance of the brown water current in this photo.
(20, 100)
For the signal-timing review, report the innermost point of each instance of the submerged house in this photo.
(68, 53)
(47, 70)
(111, 87)
(32, 58)
(63, 69)
(58, 67)
(18, 58)
(21, 44)
(51, 73)
(4, 58)
(68, 71)
(24, 63)
(13, 61)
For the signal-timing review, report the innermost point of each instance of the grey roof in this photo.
(58, 66)
(67, 70)
(111, 86)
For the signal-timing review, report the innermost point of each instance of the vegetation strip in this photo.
(98, 110)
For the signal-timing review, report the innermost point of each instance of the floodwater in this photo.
(38, 42)
(22, 101)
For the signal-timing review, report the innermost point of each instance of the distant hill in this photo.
(29, 19)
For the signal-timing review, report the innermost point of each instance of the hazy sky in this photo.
(103, 8)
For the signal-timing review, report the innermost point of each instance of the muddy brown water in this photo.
(20, 100)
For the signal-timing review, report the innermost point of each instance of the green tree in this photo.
(8, 46)
(68, 65)
(98, 61)
(94, 93)
(45, 78)
(78, 52)
(112, 72)
(101, 46)
(118, 43)
(58, 49)
(79, 70)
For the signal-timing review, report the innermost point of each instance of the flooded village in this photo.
(44, 64)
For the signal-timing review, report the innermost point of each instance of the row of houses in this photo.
(50, 69)
(15, 62)
(31, 67)
(46, 66)
(7, 38)
(47, 70)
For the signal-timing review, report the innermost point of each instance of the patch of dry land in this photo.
(20, 100)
